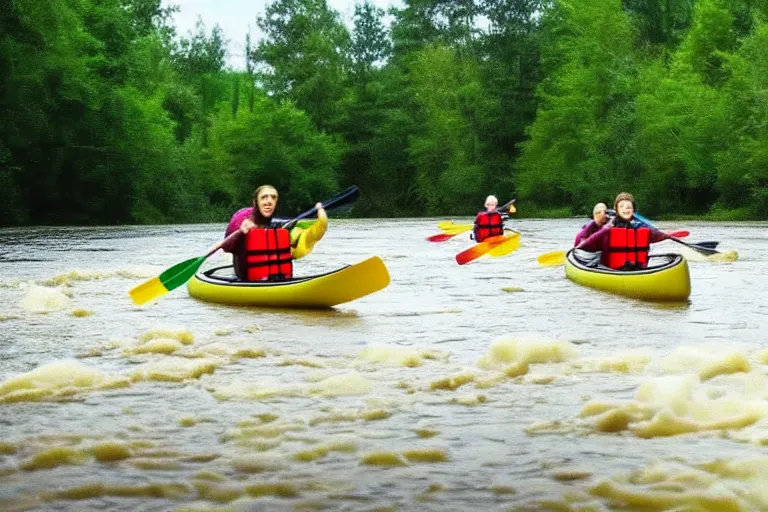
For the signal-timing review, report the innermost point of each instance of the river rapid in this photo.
(498, 385)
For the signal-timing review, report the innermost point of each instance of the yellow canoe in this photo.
(666, 278)
(319, 291)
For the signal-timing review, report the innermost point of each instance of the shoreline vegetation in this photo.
(111, 117)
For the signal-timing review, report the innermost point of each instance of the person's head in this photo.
(599, 214)
(624, 206)
(491, 203)
(264, 203)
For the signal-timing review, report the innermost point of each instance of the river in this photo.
(498, 385)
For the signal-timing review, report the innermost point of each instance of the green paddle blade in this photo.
(176, 279)
(171, 278)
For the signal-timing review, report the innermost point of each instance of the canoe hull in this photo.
(321, 291)
(670, 282)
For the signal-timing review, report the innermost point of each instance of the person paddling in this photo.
(599, 218)
(624, 241)
(489, 222)
(266, 250)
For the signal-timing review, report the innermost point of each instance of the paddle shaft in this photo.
(484, 247)
(506, 206)
(703, 250)
(348, 195)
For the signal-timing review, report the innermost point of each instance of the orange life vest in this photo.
(628, 247)
(488, 224)
(268, 254)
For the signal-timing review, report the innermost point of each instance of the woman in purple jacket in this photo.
(260, 216)
(599, 218)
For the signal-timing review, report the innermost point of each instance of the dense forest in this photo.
(110, 116)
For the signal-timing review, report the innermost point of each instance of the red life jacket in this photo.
(628, 247)
(488, 224)
(268, 254)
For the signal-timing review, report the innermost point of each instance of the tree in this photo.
(580, 148)
(304, 50)
(743, 161)
(448, 148)
(199, 53)
(275, 144)
(370, 42)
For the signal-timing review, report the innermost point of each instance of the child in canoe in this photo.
(623, 241)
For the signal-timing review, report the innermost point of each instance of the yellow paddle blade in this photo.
(511, 209)
(482, 248)
(506, 247)
(148, 291)
(449, 227)
(723, 256)
(720, 257)
(458, 229)
(552, 259)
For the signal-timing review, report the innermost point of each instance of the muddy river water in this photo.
(498, 385)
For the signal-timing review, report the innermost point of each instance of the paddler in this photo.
(488, 222)
(266, 250)
(599, 218)
(624, 241)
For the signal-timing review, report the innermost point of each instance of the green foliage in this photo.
(682, 128)
(305, 45)
(743, 163)
(376, 119)
(448, 148)
(108, 116)
(199, 53)
(660, 23)
(370, 45)
(278, 145)
(580, 149)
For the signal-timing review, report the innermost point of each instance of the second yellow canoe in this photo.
(666, 279)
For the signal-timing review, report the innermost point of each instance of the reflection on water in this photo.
(498, 384)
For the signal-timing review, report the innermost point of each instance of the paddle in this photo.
(708, 245)
(180, 273)
(450, 229)
(442, 237)
(507, 207)
(706, 251)
(448, 225)
(504, 248)
(553, 259)
(484, 247)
